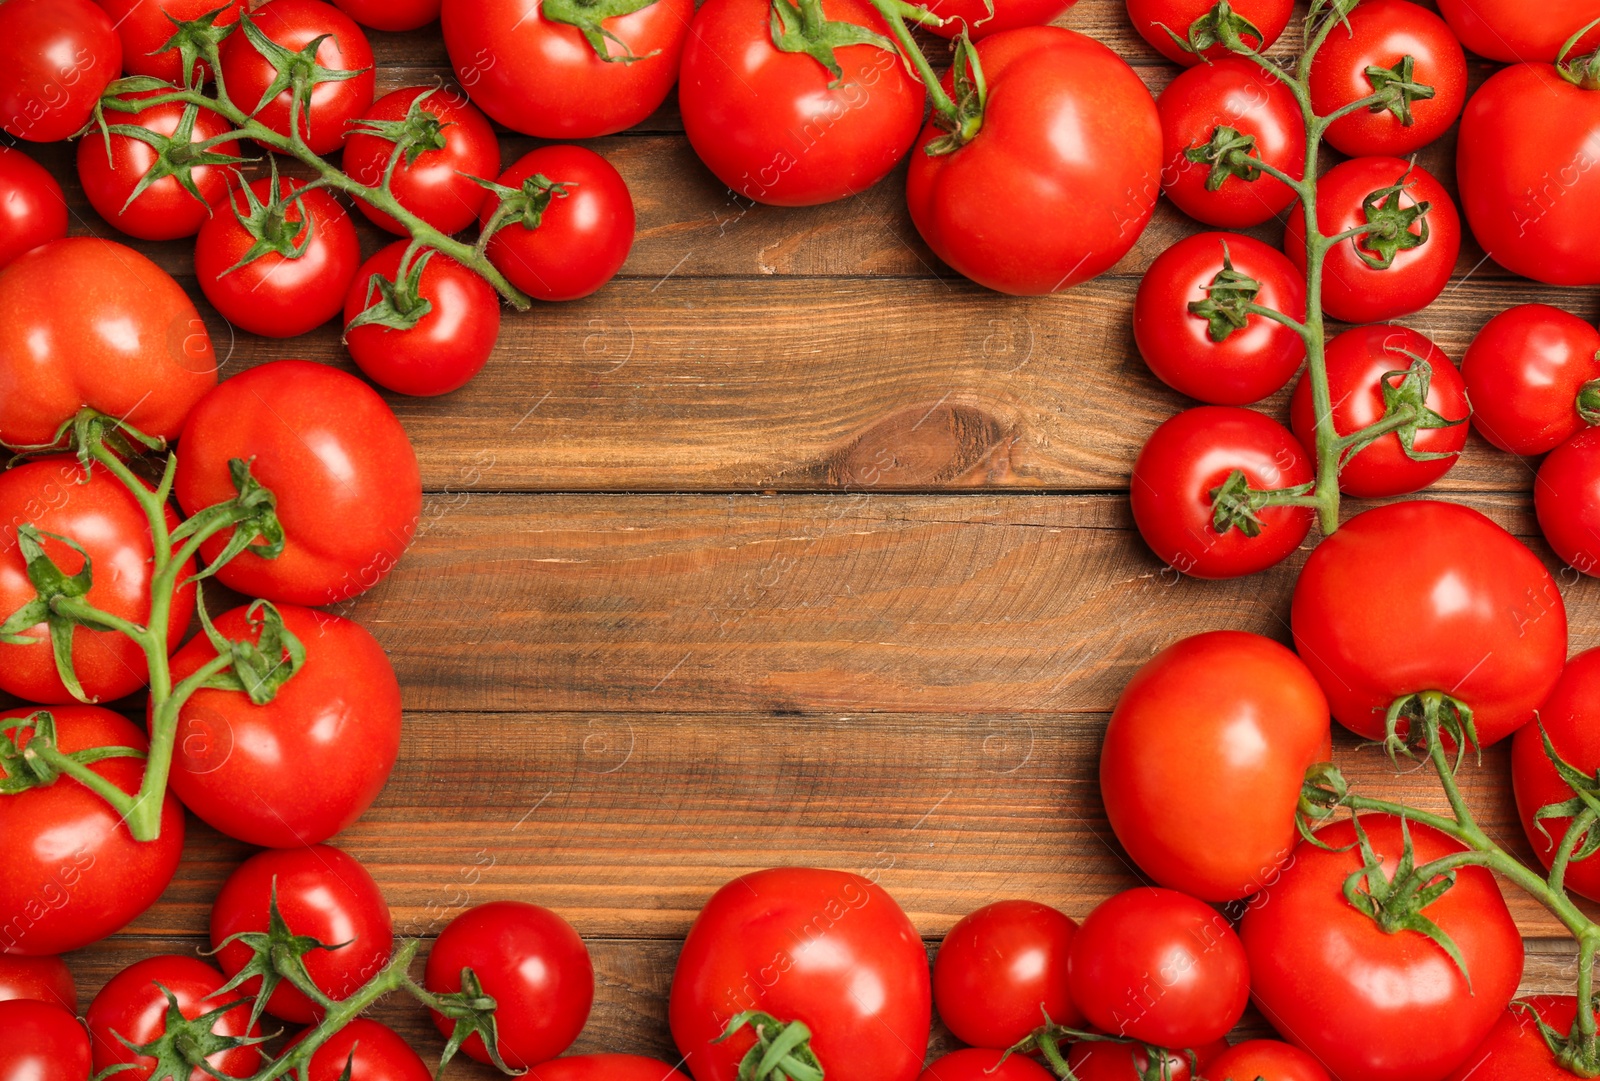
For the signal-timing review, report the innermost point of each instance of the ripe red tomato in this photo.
(1512, 31)
(132, 1006)
(349, 493)
(436, 185)
(1265, 1060)
(338, 719)
(1180, 345)
(1524, 373)
(322, 893)
(294, 25)
(1101, 1061)
(980, 1064)
(975, 17)
(1380, 35)
(1428, 596)
(1150, 16)
(1159, 967)
(1358, 362)
(1571, 718)
(582, 236)
(390, 15)
(542, 78)
(778, 127)
(131, 344)
(74, 874)
(1515, 1049)
(1352, 289)
(145, 26)
(1526, 169)
(43, 979)
(33, 210)
(532, 963)
(280, 294)
(1194, 455)
(57, 58)
(373, 1052)
(604, 1068)
(1231, 92)
(165, 210)
(1001, 971)
(44, 1042)
(1021, 210)
(99, 514)
(1205, 719)
(1566, 497)
(828, 949)
(1336, 984)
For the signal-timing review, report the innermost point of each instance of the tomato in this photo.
(130, 342)
(279, 294)
(133, 1006)
(373, 1052)
(1265, 1060)
(840, 957)
(1188, 461)
(532, 963)
(323, 893)
(74, 874)
(1180, 345)
(349, 492)
(604, 1068)
(1566, 497)
(1357, 998)
(1021, 211)
(389, 14)
(437, 185)
(294, 25)
(33, 210)
(1353, 290)
(978, 1064)
(338, 719)
(1231, 92)
(1569, 718)
(44, 1042)
(1150, 17)
(1002, 970)
(165, 210)
(1205, 719)
(58, 56)
(1515, 1049)
(448, 345)
(1359, 363)
(1525, 164)
(1524, 372)
(145, 26)
(542, 78)
(1102, 1061)
(582, 236)
(1513, 31)
(778, 127)
(975, 17)
(1381, 35)
(43, 979)
(102, 517)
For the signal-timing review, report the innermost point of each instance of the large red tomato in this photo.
(1427, 596)
(1022, 209)
(43, 1042)
(1571, 718)
(1152, 18)
(779, 127)
(827, 949)
(391, 15)
(979, 21)
(1566, 498)
(980, 1064)
(43, 979)
(145, 26)
(1265, 1060)
(133, 1007)
(1002, 970)
(349, 492)
(1513, 31)
(1525, 372)
(74, 874)
(1358, 998)
(437, 185)
(56, 58)
(369, 1050)
(1205, 719)
(603, 1068)
(1515, 1049)
(33, 210)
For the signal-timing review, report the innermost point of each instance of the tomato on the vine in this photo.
(133, 1007)
(1514, 31)
(604, 1068)
(1566, 498)
(1152, 18)
(437, 184)
(56, 58)
(44, 978)
(1533, 374)
(371, 1051)
(984, 1064)
(977, 18)
(43, 1042)
(1570, 716)
(145, 26)
(390, 15)
(33, 210)
(1515, 1049)
(1001, 970)
(1265, 1060)
(1093, 1060)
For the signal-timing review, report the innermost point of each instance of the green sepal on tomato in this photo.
(1516, 1049)
(1153, 19)
(146, 26)
(980, 18)
(1547, 796)
(364, 1050)
(1533, 372)
(166, 1005)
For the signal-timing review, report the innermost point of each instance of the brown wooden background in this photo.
(790, 546)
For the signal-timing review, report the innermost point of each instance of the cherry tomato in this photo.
(979, 1064)
(323, 893)
(338, 718)
(1382, 35)
(532, 963)
(1359, 363)
(604, 1068)
(1524, 372)
(1231, 92)
(1265, 1060)
(1149, 17)
(57, 58)
(279, 294)
(853, 971)
(447, 347)
(1566, 497)
(1569, 717)
(33, 210)
(1357, 998)
(145, 27)
(1205, 719)
(390, 15)
(44, 1042)
(542, 78)
(1194, 455)
(1001, 970)
(74, 874)
(975, 17)
(582, 237)
(1181, 346)
(1101, 1061)
(373, 1052)
(437, 186)
(129, 342)
(349, 492)
(778, 127)
(1352, 289)
(134, 1007)
(294, 25)
(1515, 1049)
(1513, 31)
(102, 517)
(43, 979)
(1427, 596)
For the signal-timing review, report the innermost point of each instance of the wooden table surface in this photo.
(790, 546)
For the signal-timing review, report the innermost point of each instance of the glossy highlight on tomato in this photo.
(1265, 1060)
(33, 210)
(1524, 372)
(43, 1042)
(371, 1051)
(56, 58)
(1514, 31)
(1001, 970)
(43, 979)
(390, 15)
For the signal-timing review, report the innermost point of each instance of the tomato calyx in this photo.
(474, 1014)
(256, 669)
(1405, 413)
(38, 763)
(184, 1045)
(1236, 505)
(1046, 1041)
(196, 40)
(1387, 232)
(89, 428)
(271, 229)
(400, 304)
(276, 954)
(1583, 808)
(1230, 153)
(1396, 903)
(803, 28)
(963, 120)
(253, 514)
(413, 135)
(525, 205)
(1220, 26)
(1573, 1051)
(1588, 402)
(1582, 71)
(177, 155)
(1428, 717)
(1394, 89)
(295, 71)
(782, 1050)
(587, 17)
(1229, 302)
